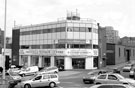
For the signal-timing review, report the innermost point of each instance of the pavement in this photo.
(4, 82)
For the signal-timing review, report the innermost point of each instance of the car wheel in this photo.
(27, 86)
(56, 72)
(52, 84)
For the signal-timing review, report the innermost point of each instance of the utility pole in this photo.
(5, 21)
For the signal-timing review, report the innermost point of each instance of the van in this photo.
(29, 71)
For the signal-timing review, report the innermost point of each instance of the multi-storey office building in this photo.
(72, 43)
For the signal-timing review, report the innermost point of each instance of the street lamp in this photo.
(4, 56)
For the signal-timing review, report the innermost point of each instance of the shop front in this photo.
(68, 59)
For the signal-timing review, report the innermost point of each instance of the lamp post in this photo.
(4, 38)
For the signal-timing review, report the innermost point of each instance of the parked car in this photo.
(90, 77)
(113, 78)
(111, 86)
(127, 67)
(14, 79)
(41, 80)
(116, 70)
(53, 69)
(13, 69)
(132, 72)
(29, 71)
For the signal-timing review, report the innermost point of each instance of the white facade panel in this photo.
(41, 42)
(54, 35)
(21, 38)
(68, 63)
(88, 25)
(76, 24)
(34, 37)
(70, 35)
(89, 63)
(69, 24)
(82, 25)
(58, 35)
(45, 41)
(45, 36)
(63, 35)
(49, 36)
(40, 36)
(76, 35)
(82, 35)
(30, 42)
(95, 41)
(49, 41)
(30, 37)
(88, 35)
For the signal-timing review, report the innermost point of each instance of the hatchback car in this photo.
(41, 80)
(111, 86)
(53, 69)
(127, 67)
(113, 78)
(90, 77)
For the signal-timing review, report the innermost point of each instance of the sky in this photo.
(120, 14)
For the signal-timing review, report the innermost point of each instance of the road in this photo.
(73, 79)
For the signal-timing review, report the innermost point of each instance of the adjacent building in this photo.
(71, 42)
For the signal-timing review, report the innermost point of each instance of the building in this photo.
(1, 40)
(112, 35)
(70, 42)
(102, 45)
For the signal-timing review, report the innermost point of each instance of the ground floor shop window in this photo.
(34, 60)
(46, 61)
(59, 62)
(24, 60)
(95, 62)
(78, 63)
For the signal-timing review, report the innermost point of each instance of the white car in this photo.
(111, 86)
(127, 68)
(13, 69)
(29, 71)
(41, 80)
(132, 72)
(53, 69)
(113, 78)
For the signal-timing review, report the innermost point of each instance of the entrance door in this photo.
(78, 63)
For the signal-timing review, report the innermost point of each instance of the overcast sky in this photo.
(117, 13)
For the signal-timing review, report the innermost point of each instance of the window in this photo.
(69, 29)
(53, 76)
(82, 29)
(105, 86)
(112, 77)
(119, 52)
(102, 77)
(88, 29)
(38, 77)
(45, 77)
(76, 29)
(118, 86)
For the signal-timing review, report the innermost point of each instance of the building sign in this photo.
(72, 41)
(60, 52)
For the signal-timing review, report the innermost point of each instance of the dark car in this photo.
(116, 70)
(90, 77)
